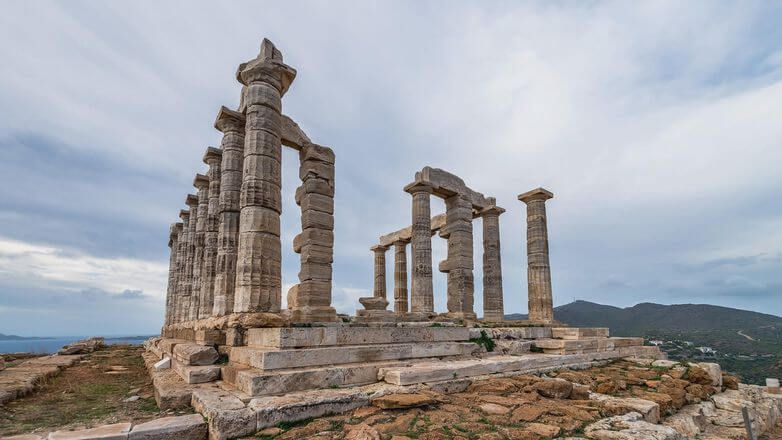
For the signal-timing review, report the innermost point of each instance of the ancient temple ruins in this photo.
(224, 319)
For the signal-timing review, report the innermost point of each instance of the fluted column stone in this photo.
(187, 291)
(181, 258)
(400, 277)
(258, 271)
(232, 125)
(541, 307)
(493, 308)
(201, 182)
(422, 291)
(173, 236)
(459, 262)
(213, 158)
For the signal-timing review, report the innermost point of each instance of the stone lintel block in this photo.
(317, 202)
(193, 374)
(191, 426)
(315, 271)
(313, 168)
(313, 253)
(317, 220)
(292, 135)
(116, 431)
(320, 237)
(579, 333)
(313, 152)
(535, 194)
(195, 354)
(314, 185)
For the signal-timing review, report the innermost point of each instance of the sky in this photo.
(655, 124)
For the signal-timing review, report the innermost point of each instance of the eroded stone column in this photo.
(400, 277)
(310, 300)
(380, 271)
(459, 264)
(422, 292)
(258, 276)
(201, 182)
(213, 158)
(187, 291)
(181, 258)
(173, 236)
(541, 307)
(232, 125)
(493, 308)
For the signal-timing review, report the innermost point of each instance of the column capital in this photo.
(201, 181)
(229, 120)
(419, 187)
(191, 200)
(491, 210)
(401, 243)
(267, 67)
(213, 154)
(184, 214)
(535, 194)
(378, 248)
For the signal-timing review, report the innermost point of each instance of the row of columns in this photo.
(226, 252)
(458, 231)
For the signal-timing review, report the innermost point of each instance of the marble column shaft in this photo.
(400, 277)
(173, 236)
(493, 308)
(187, 291)
(212, 157)
(422, 291)
(180, 265)
(541, 307)
(459, 265)
(310, 300)
(232, 125)
(201, 182)
(258, 266)
(380, 271)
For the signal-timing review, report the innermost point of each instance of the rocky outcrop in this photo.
(83, 347)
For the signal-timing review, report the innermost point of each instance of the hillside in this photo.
(16, 338)
(744, 342)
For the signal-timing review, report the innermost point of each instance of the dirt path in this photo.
(89, 393)
(745, 335)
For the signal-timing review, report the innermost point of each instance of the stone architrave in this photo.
(258, 265)
(232, 125)
(541, 307)
(213, 158)
(493, 308)
(459, 264)
(187, 290)
(400, 277)
(422, 291)
(173, 236)
(181, 257)
(201, 182)
(310, 300)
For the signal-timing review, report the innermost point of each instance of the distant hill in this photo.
(17, 338)
(742, 342)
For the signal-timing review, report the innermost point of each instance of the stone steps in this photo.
(276, 359)
(298, 337)
(587, 345)
(579, 332)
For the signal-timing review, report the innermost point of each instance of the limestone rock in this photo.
(194, 354)
(190, 427)
(555, 389)
(116, 431)
(631, 426)
(362, 431)
(395, 401)
(696, 374)
(730, 382)
(542, 430)
(494, 409)
(714, 371)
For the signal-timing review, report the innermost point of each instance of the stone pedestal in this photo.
(400, 277)
(231, 124)
(201, 182)
(422, 291)
(258, 277)
(493, 309)
(213, 158)
(541, 307)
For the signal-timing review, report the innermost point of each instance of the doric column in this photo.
(422, 292)
(181, 258)
(310, 300)
(173, 236)
(212, 157)
(459, 264)
(400, 277)
(231, 124)
(201, 182)
(541, 308)
(187, 291)
(493, 309)
(258, 276)
(380, 271)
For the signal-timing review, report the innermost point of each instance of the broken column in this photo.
(422, 291)
(213, 158)
(201, 182)
(173, 236)
(400, 277)
(378, 300)
(231, 124)
(310, 300)
(258, 276)
(493, 309)
(459, 263)
(541, 307)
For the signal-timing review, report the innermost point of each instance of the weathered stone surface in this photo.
(117, 431)
(631, 426)
(493, 308)
(163, 364)
(400, 278)
(397, 401)
(298, 406)
(650, 411)
(538, 271)
(226, 415)
(189, 427)
(293, 337)
(195, 354)
(555, 389)
(421, 292)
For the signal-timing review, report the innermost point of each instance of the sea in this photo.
(51, 345)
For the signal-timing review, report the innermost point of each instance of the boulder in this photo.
(714, 371)
(696, 374)
(730, 382)
(555, 388)
(396, 401)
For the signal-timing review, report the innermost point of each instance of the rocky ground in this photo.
(106, 386)
(520, 407)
